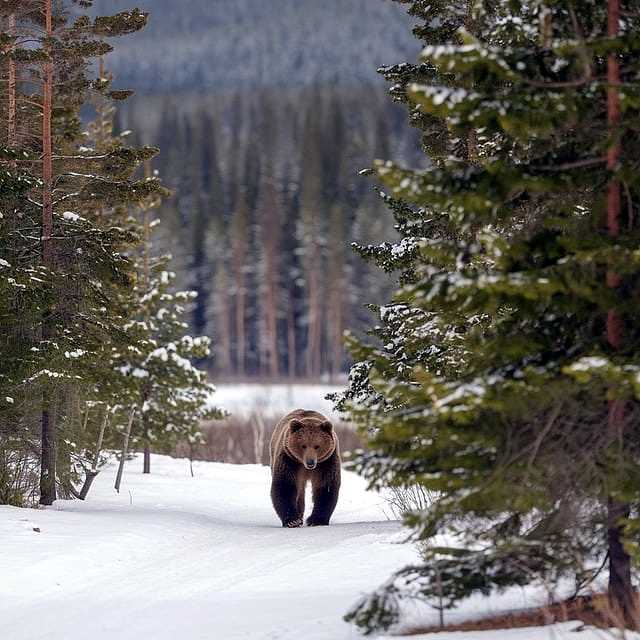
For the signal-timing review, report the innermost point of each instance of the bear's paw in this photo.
(293, 523)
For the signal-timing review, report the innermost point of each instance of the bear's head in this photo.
(310, 440)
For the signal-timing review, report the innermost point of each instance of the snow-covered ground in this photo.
(202, 558)
(274, 399)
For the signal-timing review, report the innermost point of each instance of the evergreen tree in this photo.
(71, 305)
(171, 397)
(506, 381)
(75, 255)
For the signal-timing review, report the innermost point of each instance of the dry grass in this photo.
(592, 610)
(241, 440)
(402, 500)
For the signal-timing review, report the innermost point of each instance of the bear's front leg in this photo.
(284, 495)
(325, 498)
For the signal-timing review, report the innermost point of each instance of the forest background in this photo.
(261, 144)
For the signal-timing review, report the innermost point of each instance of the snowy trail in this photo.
(175, 556)
(204, 558)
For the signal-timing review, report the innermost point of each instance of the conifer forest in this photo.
(389, 248)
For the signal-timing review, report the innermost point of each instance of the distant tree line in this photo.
(251, 44)
(267, 197)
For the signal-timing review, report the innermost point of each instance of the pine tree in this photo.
(80, 181)
(506, 381)
(80, 275)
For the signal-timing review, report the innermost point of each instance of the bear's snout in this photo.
(311, 463)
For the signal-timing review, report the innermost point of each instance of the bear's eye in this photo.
(316, 447)
(304, 446)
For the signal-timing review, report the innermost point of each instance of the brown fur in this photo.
(304, 447)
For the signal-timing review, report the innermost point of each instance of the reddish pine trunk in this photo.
(47, 159)
(47, 422)
(621, 592)
(11, 89)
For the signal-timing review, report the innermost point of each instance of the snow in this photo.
(76, 353)
(275, 399)
(587, 363)
(197, 558)
(564, 631)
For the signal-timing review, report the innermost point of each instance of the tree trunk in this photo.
(88, 481)
(335, 285)
(240, 330)
(11, 88)
(336, 330)
(314, 335)
(47, 157)
(239, 233)
(271, 319)
(48, 455)
(270, 284)
(146, 270)
(93, 472)
(621, 594)
(223, 320)
(125, 449)
(146, 466)
(47, 419)
(291, 339)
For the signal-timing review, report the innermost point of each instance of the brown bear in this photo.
(304, 446)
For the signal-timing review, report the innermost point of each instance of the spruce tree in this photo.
(506, 379)
(158, 379)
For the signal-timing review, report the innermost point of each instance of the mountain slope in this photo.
(213, 45)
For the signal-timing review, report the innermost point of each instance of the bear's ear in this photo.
(326, 426)
(295, 426)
